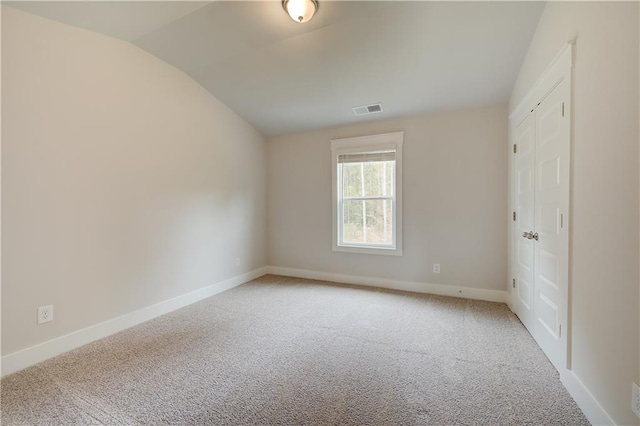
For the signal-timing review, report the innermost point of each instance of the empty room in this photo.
(320, 212)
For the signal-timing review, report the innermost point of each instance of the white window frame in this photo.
(367, 144)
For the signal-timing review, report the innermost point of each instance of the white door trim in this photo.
(558, 71)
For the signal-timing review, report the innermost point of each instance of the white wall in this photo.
(604, 242)
(455, 186)
(124, 182)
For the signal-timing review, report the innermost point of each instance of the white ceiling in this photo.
(285, 77)
(126, 20)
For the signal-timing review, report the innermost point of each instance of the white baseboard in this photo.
(585, 400)
(30, 356)
(418, 287)
(589, 405)
(43, 351)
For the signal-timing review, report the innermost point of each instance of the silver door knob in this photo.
(527, 235)
(535, 236)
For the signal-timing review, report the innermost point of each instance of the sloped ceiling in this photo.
(284, 77)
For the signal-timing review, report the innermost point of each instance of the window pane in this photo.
(377, 179)
(368, 179)
(390, 174)
(379, 222)
(351, 180)
(352, 225)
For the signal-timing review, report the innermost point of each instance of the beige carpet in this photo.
(290, 351)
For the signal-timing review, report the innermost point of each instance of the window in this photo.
(367, 194)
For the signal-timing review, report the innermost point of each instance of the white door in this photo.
(551, 231)
(524, 224)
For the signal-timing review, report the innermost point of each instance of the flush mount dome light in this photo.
(300, 10)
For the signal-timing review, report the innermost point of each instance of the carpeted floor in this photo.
(290, 351)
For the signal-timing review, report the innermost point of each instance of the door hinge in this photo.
(513, 283)
(563, 109)
(560, 331)
(514, 148)
(561, 220)
(514, 216)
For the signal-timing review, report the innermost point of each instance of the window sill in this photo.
(369, 250)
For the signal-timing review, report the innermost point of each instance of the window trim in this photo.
(363, 144)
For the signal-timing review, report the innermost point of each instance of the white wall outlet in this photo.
(45, 314)
(237, 261)
(436, 268)
(635, 399)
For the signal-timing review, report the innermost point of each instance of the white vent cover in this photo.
(367, 109)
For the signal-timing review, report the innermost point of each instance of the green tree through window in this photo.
(367, 194)
(367, 201)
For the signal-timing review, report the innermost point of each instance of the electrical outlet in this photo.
(635, 399)
(45, 314)
(436, 268)
(237, 261)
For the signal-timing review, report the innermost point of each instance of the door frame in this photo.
(560, 69)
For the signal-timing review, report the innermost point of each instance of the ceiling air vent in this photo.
(367, 109)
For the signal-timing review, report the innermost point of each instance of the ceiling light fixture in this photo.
(300, 10)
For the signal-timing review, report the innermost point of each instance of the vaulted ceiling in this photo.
(284, 77)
